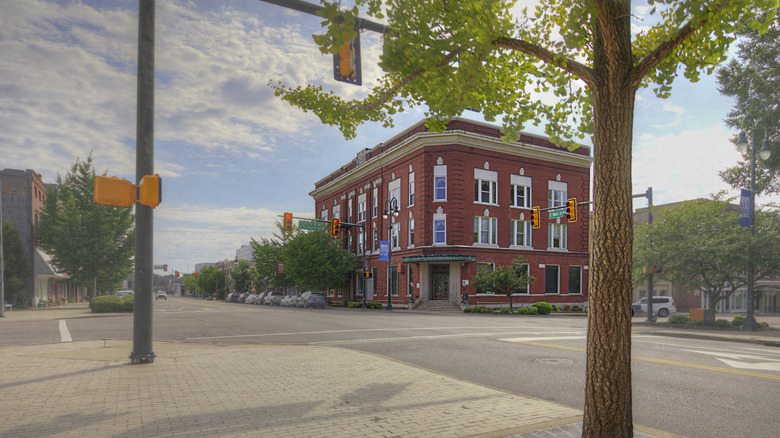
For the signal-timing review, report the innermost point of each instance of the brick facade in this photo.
(474, 173)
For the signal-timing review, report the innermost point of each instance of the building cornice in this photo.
(458, 137)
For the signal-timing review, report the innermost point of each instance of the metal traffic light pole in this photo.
(144, 165)
(649, 195)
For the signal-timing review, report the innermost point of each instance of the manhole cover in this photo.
(554, 361)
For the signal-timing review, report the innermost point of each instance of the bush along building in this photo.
(464, 202)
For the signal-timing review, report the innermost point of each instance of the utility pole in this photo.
(144, 165)
(649, 195)
(2, 260)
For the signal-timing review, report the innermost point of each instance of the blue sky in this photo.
(232, 156)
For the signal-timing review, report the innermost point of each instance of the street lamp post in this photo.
(391, 210)
(764, 153)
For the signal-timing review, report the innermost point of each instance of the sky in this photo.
(232, 156)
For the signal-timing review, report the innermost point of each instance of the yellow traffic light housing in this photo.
(287, 225)
(571, 209)
(535, 218)
(367, 275)
(346, 63)
(150, 190)
(334, 227)
(113, 191)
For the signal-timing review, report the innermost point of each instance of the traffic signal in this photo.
(367, 275)
(346, 63)
(334, 227)
(571, 209)
(195, 274)
(535, 219)
(287, 225)
(165, 268)
(177, 274)
(114, 191)
(150, 190)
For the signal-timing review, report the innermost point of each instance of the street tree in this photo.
(752, 77)
(17, 269)
(701, 246)
(473, 54)
(190, 283)
(505, 279)
(315, 262)
(242, 277)
(267, 254)
(94, 244)
(211, 281)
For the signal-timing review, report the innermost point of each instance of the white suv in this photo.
(662, 306)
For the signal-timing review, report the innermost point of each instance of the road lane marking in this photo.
(64, 333)
(668, 362)
(326, 332)
(543, 338)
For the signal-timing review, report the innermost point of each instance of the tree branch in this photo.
(667, 47)
(577, 69)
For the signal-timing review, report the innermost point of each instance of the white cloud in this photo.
(683, 165)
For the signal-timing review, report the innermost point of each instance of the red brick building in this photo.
(464, 202)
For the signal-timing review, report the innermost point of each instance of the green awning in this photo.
(439, 258)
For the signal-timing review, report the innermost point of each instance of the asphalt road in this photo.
(690, 387)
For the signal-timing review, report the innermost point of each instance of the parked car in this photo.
(124, 293)
(242, 298)
(161, 296)
(289, 301)
(260, 297)
(312, 299)
(251, 299)
(273, 298)
(662, 306)
(229, 297)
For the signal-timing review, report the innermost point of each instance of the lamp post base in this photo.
(749, 325)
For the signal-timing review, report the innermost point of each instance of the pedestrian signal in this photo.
(367, 275)
(150, 190)
(114, 191)
(346, 63)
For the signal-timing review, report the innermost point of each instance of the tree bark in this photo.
(608, 406)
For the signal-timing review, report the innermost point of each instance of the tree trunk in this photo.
(608, 406)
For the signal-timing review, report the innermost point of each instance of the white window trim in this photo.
(440, 171)
(439, 217)
(375, 203)
(410, 233)
(519, 181)
(528, 233)
(557, 186)
(492, 230)
(361, 203)
(564, 237)
(410, 185)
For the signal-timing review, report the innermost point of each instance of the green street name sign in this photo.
(311, 225)
(555, 214)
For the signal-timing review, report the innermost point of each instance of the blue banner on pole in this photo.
(384, 250)
(744, 208)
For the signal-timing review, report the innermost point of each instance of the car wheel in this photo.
(663, 312)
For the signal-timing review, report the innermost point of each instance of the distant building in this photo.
(23, 198)
(465, 201)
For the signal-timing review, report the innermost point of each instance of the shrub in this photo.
(763, 325)
(576, 309)
(527, 311)
(678, 319)
(503, 310)
(354, 304)
(106, 303)
(722, 323)
(71, 300)
(374, 305)
(556, 308)
(695, 323)
(566, 308)
(738, 321)
(544, 308)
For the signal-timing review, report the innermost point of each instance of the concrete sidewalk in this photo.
(90, 389)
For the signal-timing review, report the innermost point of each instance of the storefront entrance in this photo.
(440, 282)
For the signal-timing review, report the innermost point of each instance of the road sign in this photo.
(555, 214)
(311, 225)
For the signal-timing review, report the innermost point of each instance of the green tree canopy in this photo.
(242, 277)
(473, 54)
(505, 279)
(211, 281)
(90, 242)
(315, 262)
(267, 253)
(753, 79)
(701, 246)
(17, 268)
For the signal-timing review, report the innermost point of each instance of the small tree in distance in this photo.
(505, 279)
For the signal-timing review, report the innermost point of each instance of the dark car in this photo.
(312, 299)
